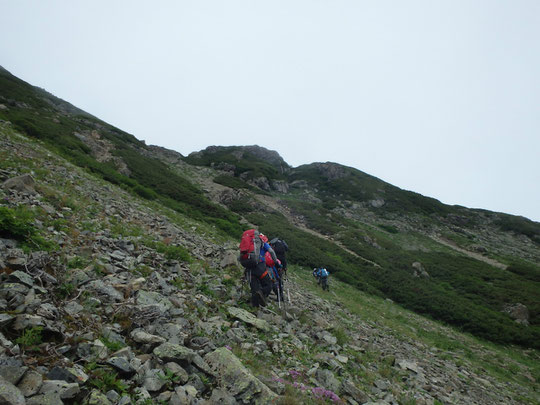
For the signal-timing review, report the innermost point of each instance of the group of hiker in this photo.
(265, 262)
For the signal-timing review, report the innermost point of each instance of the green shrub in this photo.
(232, 182)
(30, 337)
(65, 290)
(171, 252)
(389, 228)
(17, 224)
(111, 344)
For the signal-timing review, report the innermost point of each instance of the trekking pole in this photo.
(278, 297)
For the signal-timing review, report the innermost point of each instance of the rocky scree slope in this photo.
(134, 303)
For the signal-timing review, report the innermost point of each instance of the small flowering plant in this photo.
(299, 381)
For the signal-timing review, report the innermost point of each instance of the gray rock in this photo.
(121, 365)
(154, 298)
(9, 394)
(10, 290)
(28, 321)
(64, 389)
(326, 337)
(237, 379)
(24, 183)
(21, 278)
(30, 383)
(419, 270)
(172, 333)
(125, 400)
(176, 353)
(140, 336)
(408, 365)
(97, 398)
(111, 335)
(327, 380)
(518, 312)
(350, 389)
(113, 396)
(12, 370)
(5, 319)
(73, 308)
(154, 380)
(50, 398)
(104, 290)
(47, 311)
(179, 373)
(93, 351)
(183, 395)
(59, 373)
(229, 259)
(381, 384)
(249, 318)
(79, 373)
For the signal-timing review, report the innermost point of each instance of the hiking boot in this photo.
(262, 299)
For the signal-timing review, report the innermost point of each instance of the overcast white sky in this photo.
(437, 97)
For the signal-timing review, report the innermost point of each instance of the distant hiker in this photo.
(253, 249)
(281, 248)
(322, 277)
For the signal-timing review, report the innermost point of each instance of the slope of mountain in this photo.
(109, 298)
(126, 245)
(463, 266)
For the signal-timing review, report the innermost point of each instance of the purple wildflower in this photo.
(228, 347)
(321, 393)
(294, 374)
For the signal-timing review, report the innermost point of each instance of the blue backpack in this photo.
(323, 273)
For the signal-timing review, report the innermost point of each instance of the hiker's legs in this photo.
(257, 285)
(266, 285)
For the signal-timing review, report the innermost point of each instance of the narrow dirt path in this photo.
(474, 255)
(274, 204)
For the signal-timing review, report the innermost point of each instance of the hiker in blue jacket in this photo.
(322, 277)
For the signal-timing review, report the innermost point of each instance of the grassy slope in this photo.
(506, 364)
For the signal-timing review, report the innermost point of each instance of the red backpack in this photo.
(250, 248)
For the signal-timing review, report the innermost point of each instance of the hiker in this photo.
(322, 277)
(253, 248)
(281, 248)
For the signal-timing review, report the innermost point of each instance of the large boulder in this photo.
(229, 259)
(518, 312)
(236, 379)
(24, 183)
(249, 318)
(176, 353)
